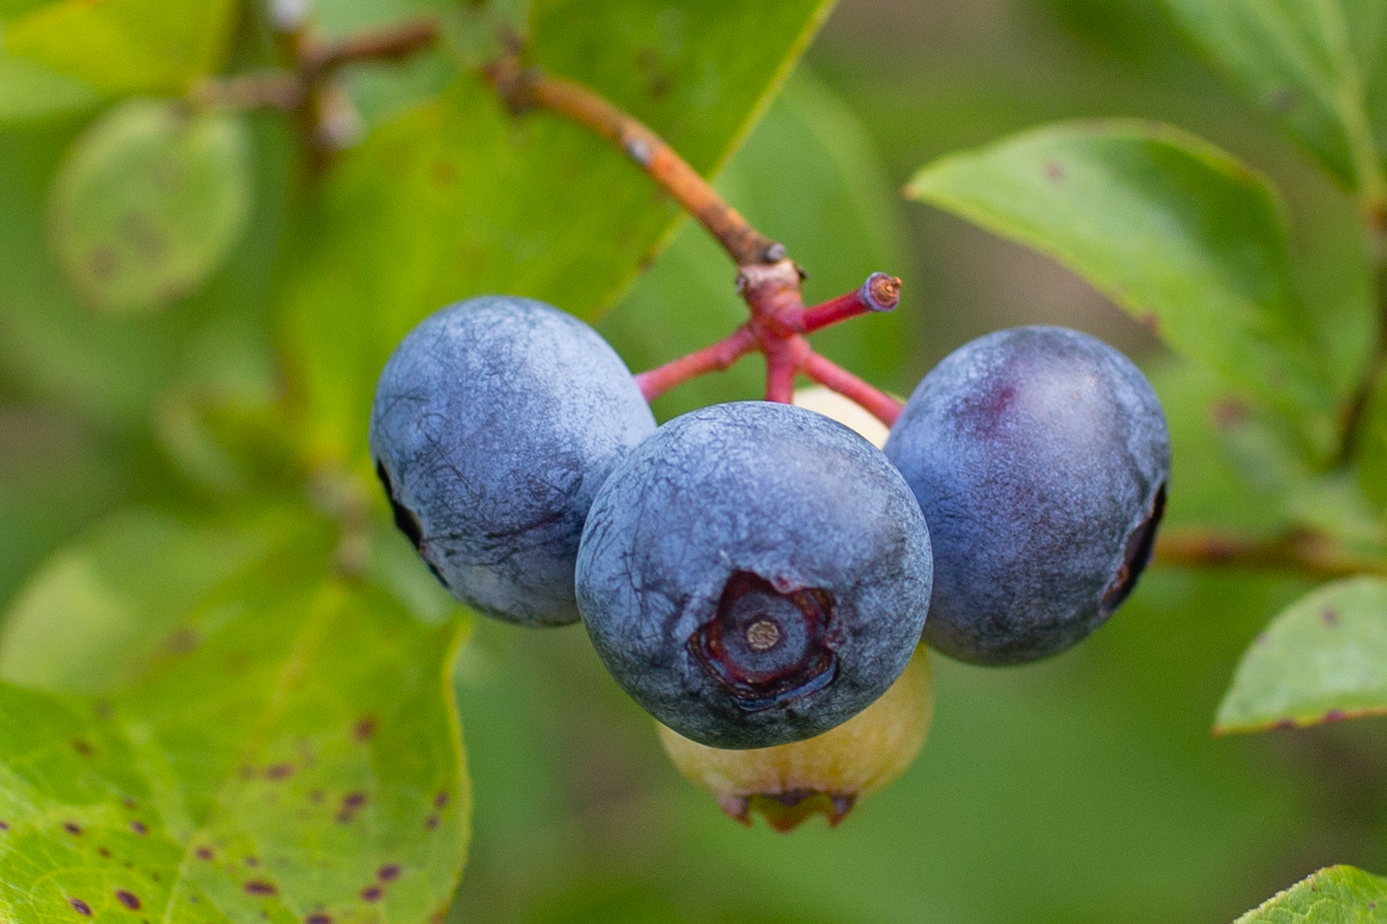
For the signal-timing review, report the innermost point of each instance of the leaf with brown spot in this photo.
(172, 748)
(1336, 895)
(1309, 669)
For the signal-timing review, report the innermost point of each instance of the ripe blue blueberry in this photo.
(495, 421)
(754, 574)
(1040, 457)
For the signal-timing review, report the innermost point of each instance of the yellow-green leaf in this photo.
(284, 746)
(126, 46)
(1336, 895)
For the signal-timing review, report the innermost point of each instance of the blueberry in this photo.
(1040, 457)
(754, 574)
(495, 421)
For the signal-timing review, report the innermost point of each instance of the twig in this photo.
(525, 88)
(1303, 552)
(391, 43)
(1376, 222)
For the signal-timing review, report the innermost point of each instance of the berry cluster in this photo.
(755, 574)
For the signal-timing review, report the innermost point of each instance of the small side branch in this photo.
(391, 43)
(712, 358)
(876, 402)
(527, 88)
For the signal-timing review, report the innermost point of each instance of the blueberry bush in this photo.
(231, 691)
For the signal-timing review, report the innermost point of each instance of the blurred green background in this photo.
(1083, 789)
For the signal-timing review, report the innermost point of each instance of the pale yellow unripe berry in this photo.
(829, 773)
(835, 407)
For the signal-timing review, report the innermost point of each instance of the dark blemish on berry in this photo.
(1335, 715)
(252, 862)
(441, 800)
(205, 853)
(103, 853)
(139, 828)
(279, 772)
(1152, 323)
(128, 899)
(1054, 172)
(1283, 724)
(1330, 617)
(1135, 557)
(80, 907)
(431, 822)
(72, 828)
(1261, 639)
(155, 876)
(316, 797)
(4, 826)
(372, 894)
(766, 646)
(317, 917)
(83, 748)
(365, 728)
(388, 873)
(130, 803)
(261, 887)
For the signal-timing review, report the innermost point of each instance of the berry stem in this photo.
(1297, 551)
(526, 88)
(715, 357)
(829, 374)
(879, 293)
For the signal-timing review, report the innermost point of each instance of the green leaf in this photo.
(29, 91)
(1175, 231)
(1311, 64)
(149, 203)
(290, 748)
(121, 593)
(1335, 895)
(459, 198)
(1321, 660)
(126, 46)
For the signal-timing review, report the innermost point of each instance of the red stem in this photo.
(877, 403)
(879, 293)
(714, 357)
